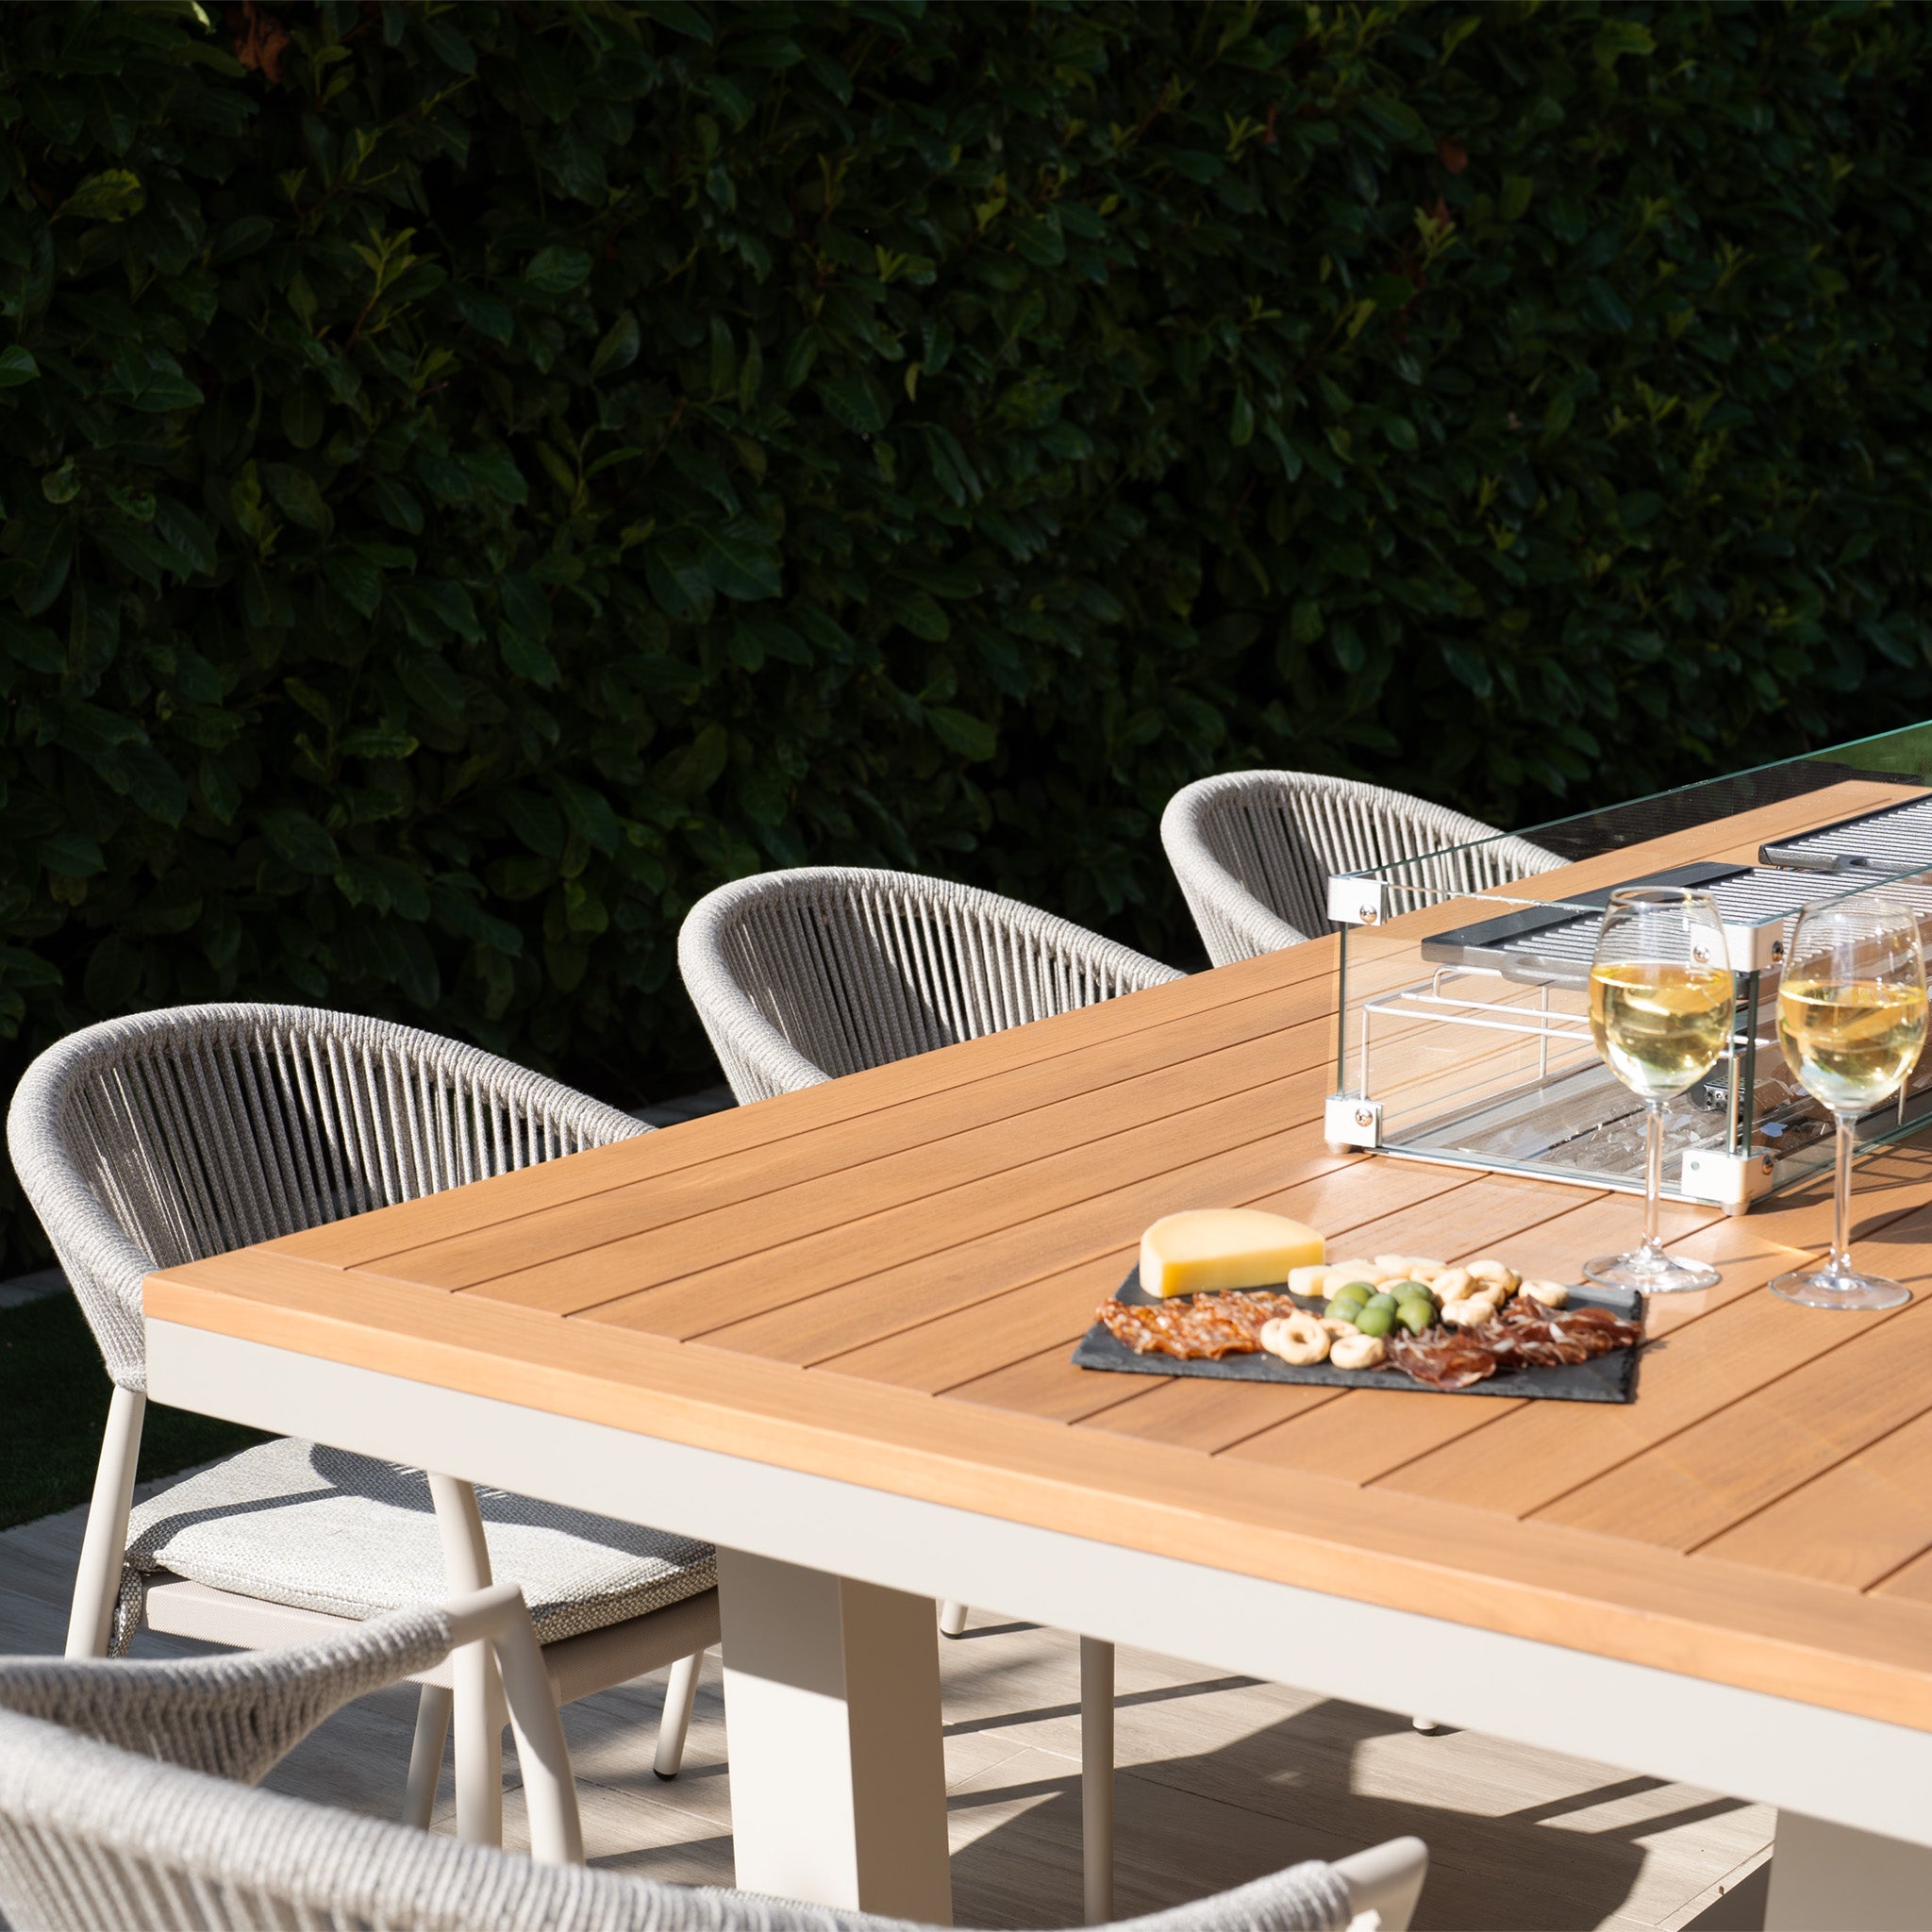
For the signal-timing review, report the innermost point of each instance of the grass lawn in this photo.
(54, 1404)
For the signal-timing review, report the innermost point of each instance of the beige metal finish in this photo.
(837, 1781)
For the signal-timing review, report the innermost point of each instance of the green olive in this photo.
(1374, 1321)
(1382, 1299)
(1356, 1295)
(1416, 1316)
(1343, 1311)
(1410, 1291)
(1361, 1289)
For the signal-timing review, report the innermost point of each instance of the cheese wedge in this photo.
(1208, 1248)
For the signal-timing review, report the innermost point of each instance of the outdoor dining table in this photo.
(831, 1333)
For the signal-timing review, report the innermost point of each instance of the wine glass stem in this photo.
(1653, 1174)
(1841, 1201)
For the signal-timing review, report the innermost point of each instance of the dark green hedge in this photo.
(476, 476)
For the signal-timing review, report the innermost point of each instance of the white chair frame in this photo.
(395, 1113)
(94, 1830)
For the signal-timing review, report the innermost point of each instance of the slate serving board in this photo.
(1610, 1377)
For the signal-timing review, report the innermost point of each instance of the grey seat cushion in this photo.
(293, 1523)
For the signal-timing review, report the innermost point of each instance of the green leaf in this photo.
(1602, 306)
(372, 742)
(149, 380)
(70, 855)
(680, 16)
(589, 815)
(959, 731)
(111, 195)
(298, 841)
(448, 43)
(1393, 116)
(353, 579)
(524, 657)
(1615, 37)
(16, 366)
(395, 504)
(741, 560)
(557, 271)
(855, 402)
(620, 346)
(498, 474)
(692, 772)
(1514, 201)
(919, 612)
(486, 314)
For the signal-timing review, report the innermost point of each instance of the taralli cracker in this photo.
(1299, 1340)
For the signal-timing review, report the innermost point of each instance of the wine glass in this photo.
(1661, 1002)
(1850, 1018)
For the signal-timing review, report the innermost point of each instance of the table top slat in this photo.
(1339, 1192)
(1853, 1524)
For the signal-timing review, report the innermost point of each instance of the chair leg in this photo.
(953, 1619)
(426, 1755)
(672, 1727)
(97, 1581)
(1096, 1778)
(479, 1708)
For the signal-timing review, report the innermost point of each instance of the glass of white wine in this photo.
(1661, 1001)
(1851, 1017)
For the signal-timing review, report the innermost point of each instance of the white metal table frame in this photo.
(831, 1680)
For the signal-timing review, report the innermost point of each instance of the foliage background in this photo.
(476, 476)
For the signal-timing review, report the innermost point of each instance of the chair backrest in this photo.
(1254, 852)
(177, 1134)
(803, 975)
(95, 1832)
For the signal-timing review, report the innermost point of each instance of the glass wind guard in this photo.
(1464, 1033)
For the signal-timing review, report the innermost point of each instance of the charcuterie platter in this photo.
(1391, 1322)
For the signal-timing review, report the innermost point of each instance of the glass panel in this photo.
(1464, 982)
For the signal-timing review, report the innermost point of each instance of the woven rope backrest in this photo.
(232, 1717)
(1283, 834)
(204, 1136)
(857, 969)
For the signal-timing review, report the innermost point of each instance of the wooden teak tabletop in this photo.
(879, 1281)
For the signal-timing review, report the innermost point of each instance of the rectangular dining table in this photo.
(831, 1333)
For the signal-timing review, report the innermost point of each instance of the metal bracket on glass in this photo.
(1349, 1120)
(1730, 1181)
(1354, 900)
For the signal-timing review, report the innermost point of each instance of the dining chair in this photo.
(1254, 852)
(125, 1802)
(804, 975)
(170, 1135)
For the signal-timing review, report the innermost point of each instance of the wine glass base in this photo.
(1651, 1273)
(1834, 1288)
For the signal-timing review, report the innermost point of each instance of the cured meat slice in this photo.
(1525, 1334)
(1201, 1329)
(1452, 1359)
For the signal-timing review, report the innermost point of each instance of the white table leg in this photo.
(832, 1723)
(1826, 1878)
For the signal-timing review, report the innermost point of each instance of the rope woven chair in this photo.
(1254, 852)
(800, 976)
(171, 1136)
(117, 1808)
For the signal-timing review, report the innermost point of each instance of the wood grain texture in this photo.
(880, 1280)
